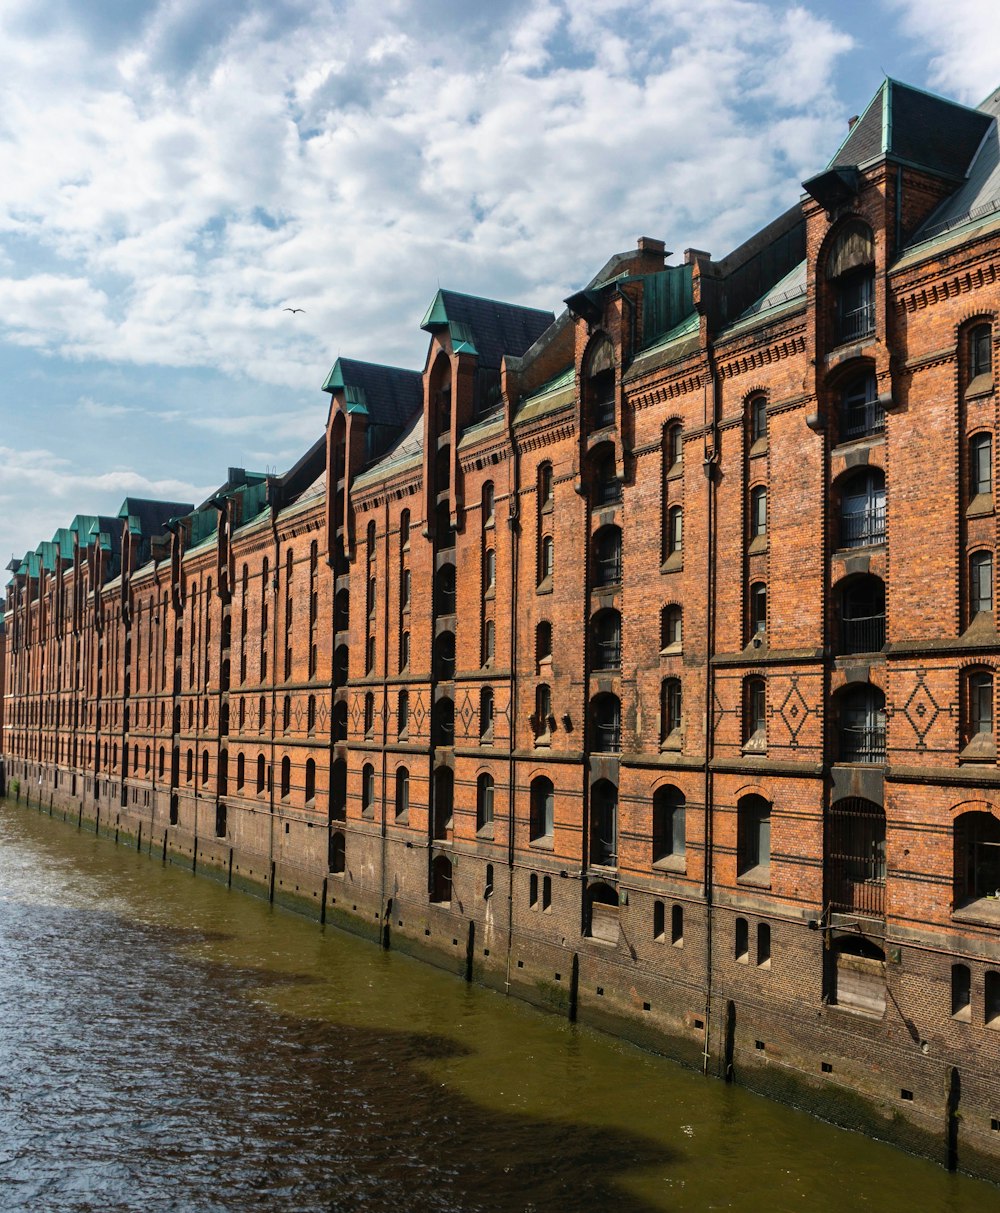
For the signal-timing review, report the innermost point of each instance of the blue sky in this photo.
(176, 173)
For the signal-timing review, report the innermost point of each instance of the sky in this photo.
(177, 173)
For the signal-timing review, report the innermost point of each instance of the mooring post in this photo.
(574, 986)
(322, 904)
(270, 891)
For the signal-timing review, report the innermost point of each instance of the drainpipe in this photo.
(274, 668)
(710, 463)
(514, 525)
(383, 915)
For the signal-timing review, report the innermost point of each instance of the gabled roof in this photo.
(389, 395)
(918, 128)
(485, 327)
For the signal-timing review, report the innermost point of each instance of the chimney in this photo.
(851, 122)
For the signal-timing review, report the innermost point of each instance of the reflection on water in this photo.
(168, 1045)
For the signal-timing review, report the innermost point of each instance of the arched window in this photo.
(402, 795)
(754, 713)
(261, 772)
(340, 721)
(758, 512)
(671, 710)
(368, 790)
(445, 590)
(604, 823)
(543, 720)
(675, 531)
(286, 777)
(608, 556)
(981, 584)
(673, 447)
(546, 487)
(753, 841)
(484, 802)
(443, 816)
(338, 790)
(240, 770)
(606, 717)
(442, 469)
(606, 487)
(310, 780)
(440, 892)
(338, 854)
(204, 766)
(443, 722)
(669, 825)
(977, 703)
(855, 856)
(757, 410)
(671, 622)
(444, 656)
(981, 466)
(369, 714)
(862, 615)
(599, 384)
(861, 723)
(543, 642)
(850, 268)
(961, 992)
(404, 651)
(341, 611)
(486, 714)
(489, 642)
(404, 530)
(862, 509)
(547, 560)
(542, 809)
(980, 352)
(403, 713)
(488, 504)
(861, 412)
(443, 530)
(286, 713)
(489, 571)
(606, 640)
(311, 714)
(758, 610)
(977, 857)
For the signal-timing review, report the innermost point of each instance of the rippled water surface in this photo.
(168, 1045)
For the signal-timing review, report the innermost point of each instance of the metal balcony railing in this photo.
(862, 743)
(863, 634)
(856, 321)
(861, 420)
(860, 528)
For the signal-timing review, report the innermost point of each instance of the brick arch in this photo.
(974, 806)
(754, 789)
(833, 235)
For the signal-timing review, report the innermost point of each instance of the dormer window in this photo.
(850, 269)
(600, 385)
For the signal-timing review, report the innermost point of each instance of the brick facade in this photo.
(639, 661)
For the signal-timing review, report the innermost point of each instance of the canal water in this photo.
(166, 1044)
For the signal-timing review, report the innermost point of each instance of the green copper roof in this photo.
(436, 316)
(47, 553)
(63, 539)
(335, 380)
(462, 340)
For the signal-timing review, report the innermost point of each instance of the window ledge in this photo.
(485, 832)
(757, 544)
(490, 594)
(673, 563)
(758, 448)
(671, 863)
(757, 744)
(675, 471)
(673, 741)
(981, 911)
(544, 587)
(982, 385)
(759, 877)
(672, 650)
(980, 505)
(981, 748)
(545, 843)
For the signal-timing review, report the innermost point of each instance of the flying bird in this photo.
(293, 310)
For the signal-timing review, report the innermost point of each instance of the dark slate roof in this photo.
(489, 327)
(151, 515)
(910, 125)
(389, 394)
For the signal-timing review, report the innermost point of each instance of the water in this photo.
(166, 1044)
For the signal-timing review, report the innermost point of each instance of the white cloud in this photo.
(362, 155)
(964, 61)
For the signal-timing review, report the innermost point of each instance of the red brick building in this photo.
(641, 660)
